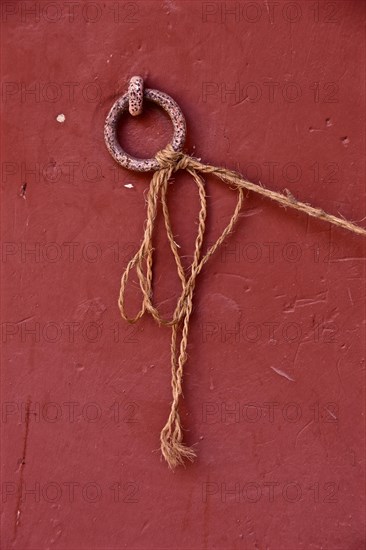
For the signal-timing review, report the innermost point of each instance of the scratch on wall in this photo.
(18, 508)
(283, 373)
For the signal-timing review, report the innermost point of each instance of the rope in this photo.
(171, 438)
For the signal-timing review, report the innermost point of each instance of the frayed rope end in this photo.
(175, 452)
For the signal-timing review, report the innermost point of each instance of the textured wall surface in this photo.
(274, 384)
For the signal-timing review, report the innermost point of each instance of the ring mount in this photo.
(120, 107)
(136, 95)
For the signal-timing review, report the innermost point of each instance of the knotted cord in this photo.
(170, 161)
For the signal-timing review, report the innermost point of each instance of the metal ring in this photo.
(136, 95)
(121, 106)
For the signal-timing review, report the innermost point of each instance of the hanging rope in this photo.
(171, 438)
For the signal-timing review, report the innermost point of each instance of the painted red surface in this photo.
(277, 335)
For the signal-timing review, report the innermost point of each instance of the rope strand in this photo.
(171, 438)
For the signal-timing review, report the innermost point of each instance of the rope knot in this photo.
(168, 158)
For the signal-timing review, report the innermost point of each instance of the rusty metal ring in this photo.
(121, 106)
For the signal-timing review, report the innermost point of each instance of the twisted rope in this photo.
(171, 438)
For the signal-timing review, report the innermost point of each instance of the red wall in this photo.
(274, 89)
